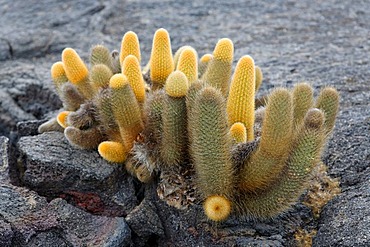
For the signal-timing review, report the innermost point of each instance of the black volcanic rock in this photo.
(29, 220)
(54, 168)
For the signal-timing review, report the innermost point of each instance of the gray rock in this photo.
(4, 159)
(6, 234)
(54, 168)
(83, 229)
(29, 220)
(29, 128)
(346, 220)
(144, 220)
(54, 26)
(24, 94)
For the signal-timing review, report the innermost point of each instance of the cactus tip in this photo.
(118, 81)
(217, 208)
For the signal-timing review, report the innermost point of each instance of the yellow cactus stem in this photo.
(62, 118)
(217, 207)
(118, 81)
(224, 50)
(177, 54)
(203, 63)
(176, 86)
(161, 60)
(259, 77)
(219, 69)
(130, 46)
(77, 72)
(113, 151)
(126, 109)
(131, 69)
(58, 74)
(206, 58)
(188, 64)
(240, 103)
(238, 132)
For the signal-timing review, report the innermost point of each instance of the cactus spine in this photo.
(58, 75)
(86, 139)
(211, 145)
(113, 151)
(328, 102)
(174, 141)
(268, 161)
(77, 72)
(238, 132)
(217, 207)
(71, 98)
(126, 109)
(130, 46)
(188, 64)
(100, 76)
(203, 64)
(131, 69)
(289, 185)
(240, 103)
(219, 68)
(161, 60)
(259, 77)
(101, 55)
(302, 101)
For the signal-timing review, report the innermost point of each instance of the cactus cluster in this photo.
(184, 113)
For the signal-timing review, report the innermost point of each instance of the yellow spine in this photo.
(62, 119)
(130, 46)
(217, 208)
(238, 132)
(113, 151)
(219, 68)
(58, 74)
(240, 103)
(188, 64)
(77, 72)
(161, 60)
(131, 69)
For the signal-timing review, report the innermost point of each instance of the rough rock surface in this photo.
(54, 168)
(325, 43)
(4, 159)
(34, 221)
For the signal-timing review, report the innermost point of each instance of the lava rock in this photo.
(144, 220)
(54, 168)
(6, 234)
(4, 159)
(29, 220)
(345, 220)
